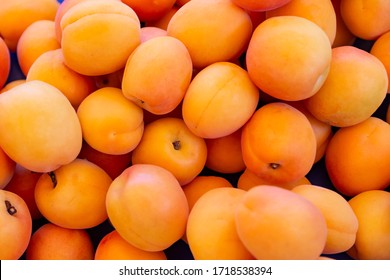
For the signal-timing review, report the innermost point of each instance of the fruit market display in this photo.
(195, 129)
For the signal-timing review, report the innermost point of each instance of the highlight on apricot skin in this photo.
(283, 45)
(211, 36)
(220, 100)
(39, 127)
(110, 122)
(274, 223)
(113, 30)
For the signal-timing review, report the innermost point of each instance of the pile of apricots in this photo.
(194, 129)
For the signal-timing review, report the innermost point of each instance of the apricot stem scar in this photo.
(274, 165)
(176, 145)
(53, 178)
(10, 208)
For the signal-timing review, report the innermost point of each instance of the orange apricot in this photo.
(278, 143)
(224, 153)
(7, 169)
(73, 196)
(110, 122)
(282, 45)
(149, 32)
(148, 207)
(163, 21)
(366, 19)
(52, 242)
(110, 32)
(35, 40)
(113, 247)
(23, 184)
(321, 12)
(15, 226)
(39, 127)
(253, 5)
(157, 74)
(5, 63)
(220, 100)
(50, 67)
(17, 15)
(148, 10)
(211, 229)
(212, 31)
(12, 84)
(358, 157)
(341, 221)
(343, 35)
(373, 236)
(113, 79)
(380, 49)
(274, 223)
(354, 89)
(167, 142)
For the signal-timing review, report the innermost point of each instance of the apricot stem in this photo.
(10, 208)
(53, 178)
(274, 165)
(176, 145)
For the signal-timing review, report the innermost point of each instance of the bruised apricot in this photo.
(39, 127)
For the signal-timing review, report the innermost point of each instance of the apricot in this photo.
(253, 5)
(274, 223)
(7, 169)
(23, 184)
(17, 15)
(278, 143)
(220, 100)
(321, 12)
(354, 89)
(340, 219)
(380, 49)
(366, 19)
(113, 247)
(157, 74)
(12, 84)
(211, 228)
(283, 45)
(113, 79)
(224, 154)
(73, 196)
(110, 32)
(149, 32)
(373, 236)
(39, 127)
(5, 62)
(52, 242)
(15, 226)
(110, 122)
(148, 10)
(212, 31)
(50, 67)
(358, 157)
(343, 35)
(167, 142)
(38, 38)
(148, 207)
(163, 21)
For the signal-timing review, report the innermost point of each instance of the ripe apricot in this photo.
(23, 184)
(340, 219)
(321, 12)
(274, 223)
(148, 207)
(17, 15)
(149, 32)
(110, 122)
(380, 49)
(7, 169)
(220, 100)
(50, 67)
(39, 127)
(253, 5)
(163, 21)
(343, 35)
(212, 31)
(366, 19)
(283, 45)
(52, 242)
(5, 63)
(110, 32)
(211, 228)
(12, 84)
(373, 236)
(167, 142)
(73, 196)
(354, 89)
(148, 10)
(157, 74)
(113, 247)
(358, 157)
(278, 143)
(224, 153)
(15, 226)
(35, 40)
